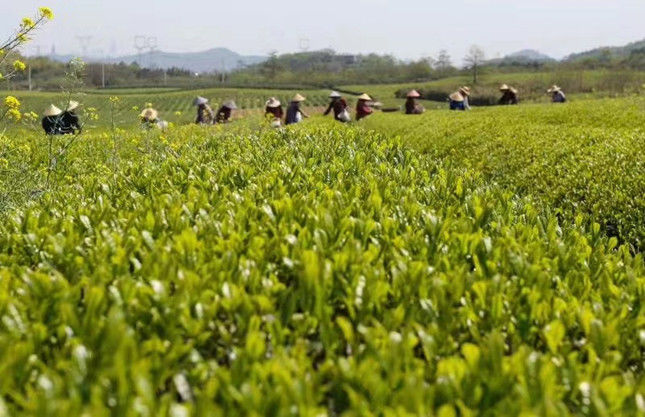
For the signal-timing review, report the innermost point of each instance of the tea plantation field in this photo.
(452, 264)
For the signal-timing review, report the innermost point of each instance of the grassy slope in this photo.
(532, 86)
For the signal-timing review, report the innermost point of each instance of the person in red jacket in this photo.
(274, 112)
(411, 107)
(339, 105)
(363, 108)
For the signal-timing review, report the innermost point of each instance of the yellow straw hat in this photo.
(52, 111)
(72, 105)
(149, 114)
(298, 98)
(364, 97)
(504, 87)
(464, 90)
(457, 96)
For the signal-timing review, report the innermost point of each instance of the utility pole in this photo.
(165, 77)
(103, 74)
(29, 76)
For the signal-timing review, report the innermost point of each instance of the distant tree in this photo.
(443, 63)
(474, 59)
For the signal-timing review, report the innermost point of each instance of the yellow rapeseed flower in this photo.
(14, 114)
(46, 12)
(11, 102)
(27, 22)
(19, 65)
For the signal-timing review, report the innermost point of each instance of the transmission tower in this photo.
(303, 44)
(84, 41)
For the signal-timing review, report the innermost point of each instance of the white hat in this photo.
(273, 102)
(335, 94)
(230, 105)
(457, 96)
(504, 87)
(298, 98)
(414, 94)
(149, 114)
(72, 105)
(199, 101)
(52, 111)
(553, 89)
(365, 97)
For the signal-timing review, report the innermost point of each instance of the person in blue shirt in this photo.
(459, 99)
(557, 95)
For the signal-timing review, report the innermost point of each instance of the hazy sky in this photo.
(405, 28)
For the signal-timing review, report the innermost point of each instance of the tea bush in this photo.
(585, 158)
(313, 272)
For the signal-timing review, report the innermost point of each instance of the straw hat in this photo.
(149, 114)
(72, 105)
(298, 98)
(335, 94)
(199, 101)
(457, 96)
(464, 90)
(52, 111)
(230, 105)
(414, 94)
(504, 87)
(273, 102)
(553, 89)
(513, 90)
(365, 97)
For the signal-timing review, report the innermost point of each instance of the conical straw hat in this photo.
(273, 102)
(52, 111)
(335, 94)
(199, 101)
(465, 90)
(456, 96)
(513, 90)
(230, 105)
(149, 114)
(414, 94)
(298, 98)
(504, 87)
(553, 89)
(72, 105)
(364, 97)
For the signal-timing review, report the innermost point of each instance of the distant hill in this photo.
(609, 52)
(217, 59)
(523, 57)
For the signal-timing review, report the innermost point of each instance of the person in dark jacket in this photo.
(205, 115)
(52, 120)
(225, 112)
(69, 121)
(339, 105)
(557, 95)
(294, 112)
(273, 112)
(411, 106)
(509, 95)
(363, 108)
